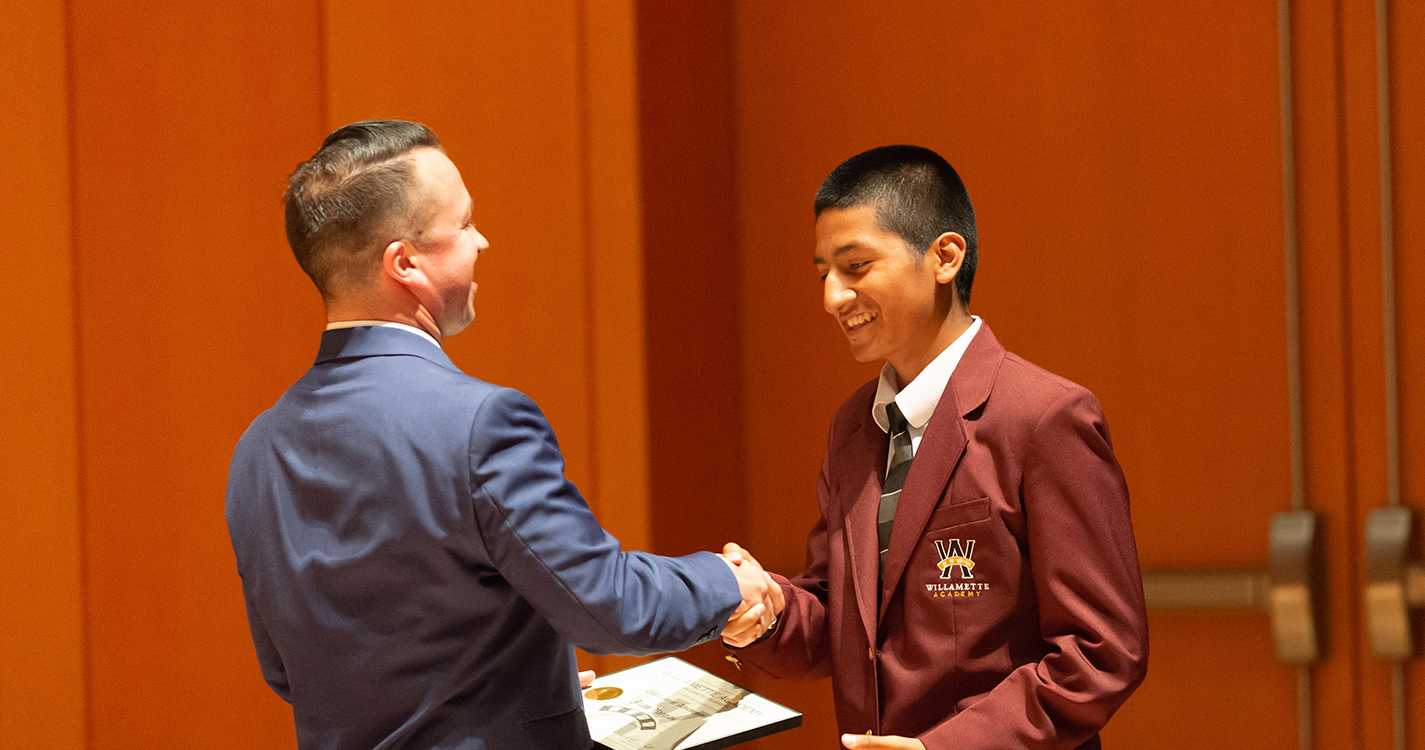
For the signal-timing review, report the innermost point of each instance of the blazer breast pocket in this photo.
(959, 513)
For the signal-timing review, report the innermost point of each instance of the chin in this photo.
(453, 327)
(863, 355)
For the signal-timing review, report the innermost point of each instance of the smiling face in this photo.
(890, 302)
(448, 245)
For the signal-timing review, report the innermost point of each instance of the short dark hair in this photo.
(917, 195)
(357, 190)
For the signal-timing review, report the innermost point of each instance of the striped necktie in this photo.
(897, 467)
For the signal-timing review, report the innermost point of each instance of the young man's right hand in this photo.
(762, 598)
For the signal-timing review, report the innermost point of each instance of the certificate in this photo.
(670, 704)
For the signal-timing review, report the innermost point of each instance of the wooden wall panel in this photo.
(1408, 124)
(1407, 75)
(691, 285)
(499, 83)
(617, 330)
(1129, 195)
(687, 109)
(1367, 315)
(192, 319)
(1324, 224)
(1360, 277)
(1090, 180)
(536, 104)
(42, 701)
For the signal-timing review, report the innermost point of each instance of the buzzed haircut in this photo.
(358, 190)
(917, 195)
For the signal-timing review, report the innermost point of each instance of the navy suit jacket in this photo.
(417, 569)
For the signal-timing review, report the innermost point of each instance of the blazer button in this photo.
(871, 653)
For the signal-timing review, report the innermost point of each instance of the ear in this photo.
(400, 263)
(947, 255)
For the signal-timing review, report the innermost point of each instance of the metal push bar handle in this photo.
(1395, 581)
(1289, 588)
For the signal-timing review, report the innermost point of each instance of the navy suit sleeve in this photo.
(542, 537)
(273, 670)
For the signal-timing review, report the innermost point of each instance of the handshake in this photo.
(762, 598)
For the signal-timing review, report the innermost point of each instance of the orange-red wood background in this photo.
(644, 171)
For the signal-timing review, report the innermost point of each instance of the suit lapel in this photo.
(861, 459)
(941, 448)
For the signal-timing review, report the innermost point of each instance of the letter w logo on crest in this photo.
(954, 555)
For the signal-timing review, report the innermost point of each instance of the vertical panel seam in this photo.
(76, 288)
(1385, 159)
(586, 229)
(323, 69)
(744, 519)
(1387, 250)
(1347, 360)
(1382, 93)
(1289, 242)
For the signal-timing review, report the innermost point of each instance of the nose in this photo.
(835, 294)
(481, 244)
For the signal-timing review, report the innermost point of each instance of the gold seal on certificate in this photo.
(670, 704)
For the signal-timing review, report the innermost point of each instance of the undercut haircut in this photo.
(916, 194)
(357, 193)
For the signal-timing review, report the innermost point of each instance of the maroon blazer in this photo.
(1011, 613)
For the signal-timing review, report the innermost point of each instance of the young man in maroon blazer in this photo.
(972, 581)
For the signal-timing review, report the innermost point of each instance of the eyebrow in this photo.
(837, 253)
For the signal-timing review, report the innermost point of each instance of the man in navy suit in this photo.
(417, 569)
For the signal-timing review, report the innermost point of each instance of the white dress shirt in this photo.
(382, 324)
(918, 399)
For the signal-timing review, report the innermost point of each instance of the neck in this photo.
(955, 323)
(412, 315)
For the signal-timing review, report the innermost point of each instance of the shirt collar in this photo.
(382, 324)
(918, 399)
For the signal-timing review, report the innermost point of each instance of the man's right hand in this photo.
(762, 598)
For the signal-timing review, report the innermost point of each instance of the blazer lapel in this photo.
(941, 448)
(861, 459)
